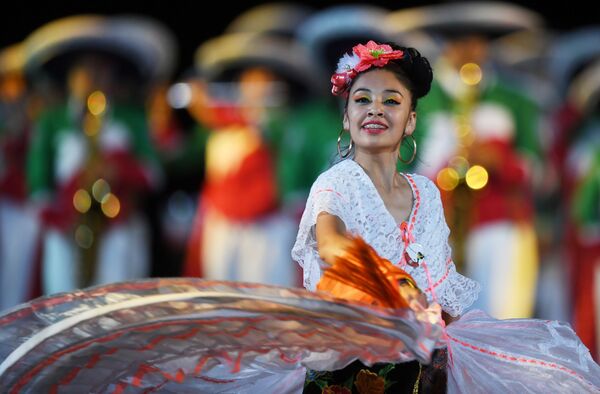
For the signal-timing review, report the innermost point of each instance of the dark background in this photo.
(193, 21)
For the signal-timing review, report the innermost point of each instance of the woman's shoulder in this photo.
(336, 174)
(421, 181)
(344, 180)
(426, 188)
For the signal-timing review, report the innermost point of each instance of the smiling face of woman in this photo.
(379, 112)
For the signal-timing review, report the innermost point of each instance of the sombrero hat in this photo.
(141, 45)
(571, 52)
(273, 18)
(527, 49)
(333, 31)
(584, 90)
(149, 41)
(448, 20)
(223, 57)
(521, 59)
(12, 59)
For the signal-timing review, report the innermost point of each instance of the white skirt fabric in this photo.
(487, 355)
(192, 335)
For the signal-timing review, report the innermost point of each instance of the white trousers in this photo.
(19, 231)
(503, 258)
(257, 251)
(123, 254)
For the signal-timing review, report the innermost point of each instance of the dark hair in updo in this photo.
(413, 70)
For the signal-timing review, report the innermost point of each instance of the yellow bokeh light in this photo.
(447, 179)
(82, 201)
(100, 189)
(477, 177)
(471, 74)
(84, 236)
(96, 103)
(111, 206)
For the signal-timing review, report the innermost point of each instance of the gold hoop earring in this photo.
(348, 148)
(414, 154)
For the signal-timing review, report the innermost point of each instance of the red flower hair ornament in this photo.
(362, 58)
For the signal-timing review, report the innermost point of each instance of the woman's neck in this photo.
(380, 167)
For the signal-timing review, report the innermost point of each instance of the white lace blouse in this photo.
(346, 191)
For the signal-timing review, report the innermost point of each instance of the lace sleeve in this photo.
(323, 197)
(453, 291)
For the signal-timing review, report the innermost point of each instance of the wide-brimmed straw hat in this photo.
(12, 58)
(528, 49)
(449, 20)
(584, 90)
(571, 52)
(272, 18)
(144, 46)
(333, 31)
(224, 57)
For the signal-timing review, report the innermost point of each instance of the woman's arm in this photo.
(332, 241)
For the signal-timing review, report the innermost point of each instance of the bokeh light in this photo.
(82, 201)
(84, 236)
(477, 177)
(447, 179)
(111, 206)
(471, 74)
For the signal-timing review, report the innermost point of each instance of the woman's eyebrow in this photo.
(385, 91)
(393, 91)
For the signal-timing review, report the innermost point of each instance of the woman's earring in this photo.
(348, 149)
(414, 154)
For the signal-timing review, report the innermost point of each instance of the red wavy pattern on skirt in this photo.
(142, 371)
